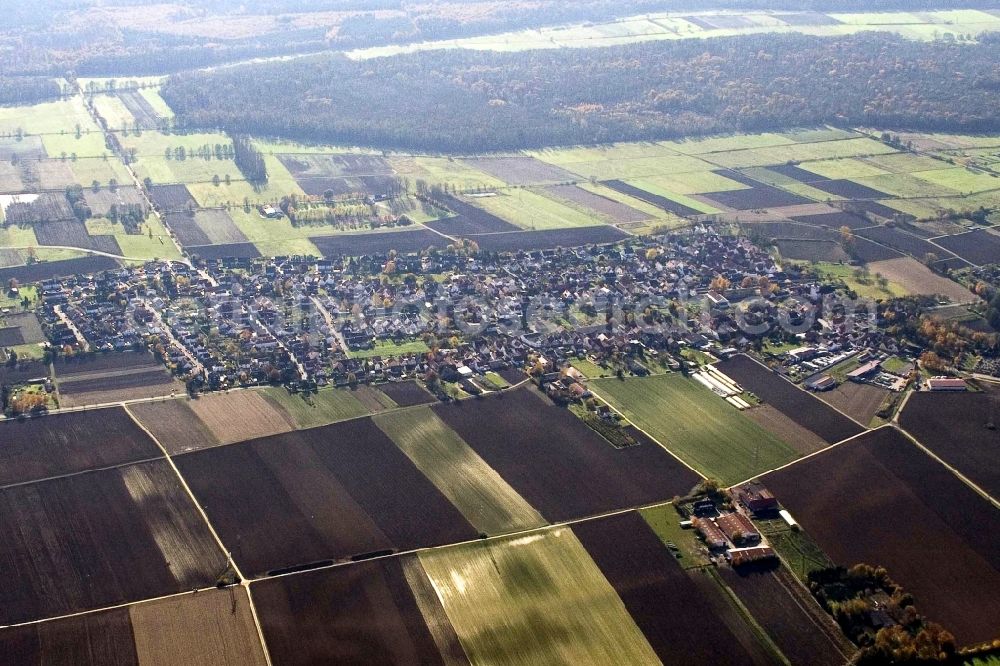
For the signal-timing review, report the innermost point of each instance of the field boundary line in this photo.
(963, 478)
(124, 604)
(814, 454)
(244, 583)
(68, 475)
(629, 421)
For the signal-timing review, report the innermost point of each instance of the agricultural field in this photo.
(600, 205)
(317, 409)
(515, 241)
(174, 425)
(976, 247)
(112, 377)
(60, 444)
(532, 211)
(559, 465)
(407, 394)
(859, 401)
(155, 633)
(322, 494)
(877, 500)
(240, 415)
(961, 430)
(791, 401)
(116, 535)
(369, 612)
(536, 598)
(915, 278)
(696, 425)
(483, 497)
(666, 604)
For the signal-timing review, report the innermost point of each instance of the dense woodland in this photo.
(28, 89)
(58, 37)
(466, 101)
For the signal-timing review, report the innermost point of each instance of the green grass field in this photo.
(665, 521)
(801, 152)
(390, 348)
(475, 488)
(534, 599)
(717, 144)
(317, 409)
(696, 425)
(529, 210)
(961, 180)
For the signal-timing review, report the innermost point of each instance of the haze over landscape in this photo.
(500, 332)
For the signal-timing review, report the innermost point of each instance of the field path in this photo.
(211, 528)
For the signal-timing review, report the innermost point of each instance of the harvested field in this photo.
(59, 444)
(145, 115)
(521, 170)
(364, 613)
(210, 628)
(916, 278)
(875, 208)
(407, 394)
(515, 241)
(171, 197)
(45, 270)
(859, 401)
(44, 208)
(100, 202)
(475, 488)
(610, 208)
(73, 233)
(650, 198)
(26, 148)
(559, 465)
(900, 240)
(534, 599)
(802, 440)
(793, 231)
(48, 175)
(174, 425)
(801, 629)
(668, 608)
(796, 173)
(809, 250)
(321, 494)
(866, 251)
(240, 415)
(372, 399)
(835, 220)
(94, 639)
(406, 242)
(113, 536)
(343, 174)
(756, 197)
(848, 189)
(468, 220)
(23, 372)
(10, 179)
(225, 251)
(30, 328)
(85, 366)
(316, 409)
(185, 227)
(696, 425)
(791, 401)
(976, 247)
(10, 336)
(128, 385)
(935, 535)
(957, 428)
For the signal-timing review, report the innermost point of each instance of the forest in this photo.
(91, 38)
(467, 101)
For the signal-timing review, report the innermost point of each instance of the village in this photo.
(306, 323)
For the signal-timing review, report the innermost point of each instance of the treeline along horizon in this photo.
(472, 101)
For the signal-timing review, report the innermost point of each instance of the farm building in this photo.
(755, 497)
(738, 528)
(822, 383)
(946, 384)
(800, 354)
(740, 556)
(862, 372)
(709, 532)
